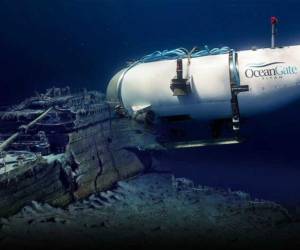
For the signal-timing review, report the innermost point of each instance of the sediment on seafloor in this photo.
(154, 209)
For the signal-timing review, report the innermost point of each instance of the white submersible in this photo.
(222, 84)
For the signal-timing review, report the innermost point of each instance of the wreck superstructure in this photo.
(59, 147)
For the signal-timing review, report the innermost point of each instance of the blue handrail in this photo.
(181, 53)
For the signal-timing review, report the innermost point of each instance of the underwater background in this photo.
(83, 43)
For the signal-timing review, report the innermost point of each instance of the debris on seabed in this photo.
(153, 207)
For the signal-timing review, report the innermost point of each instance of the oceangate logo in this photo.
(273, 70)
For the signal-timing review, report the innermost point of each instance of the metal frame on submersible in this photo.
(236, 88)
(235, 85)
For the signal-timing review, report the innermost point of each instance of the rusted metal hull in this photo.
(89, 157)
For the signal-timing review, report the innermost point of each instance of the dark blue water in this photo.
(266, 165)
(84, 42)
(76, 42)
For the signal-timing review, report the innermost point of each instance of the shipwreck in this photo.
(59, 147)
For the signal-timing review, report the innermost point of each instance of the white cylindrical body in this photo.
(275, 81)
(273, 77)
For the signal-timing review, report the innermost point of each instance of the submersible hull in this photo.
(271, 78)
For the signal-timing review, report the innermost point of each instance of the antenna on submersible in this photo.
(274, 22)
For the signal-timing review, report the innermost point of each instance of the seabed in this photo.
(154, 209)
